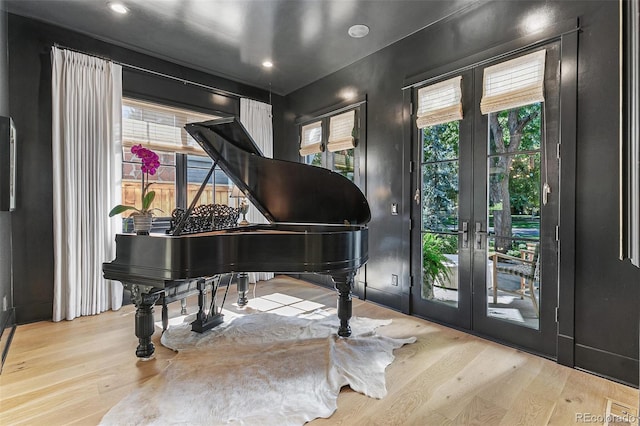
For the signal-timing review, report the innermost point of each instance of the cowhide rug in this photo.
(260, 369)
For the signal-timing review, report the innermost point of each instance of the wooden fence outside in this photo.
(165, 199)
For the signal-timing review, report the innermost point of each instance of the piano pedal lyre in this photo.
(207, 320)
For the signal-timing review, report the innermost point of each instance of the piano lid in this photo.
(283, 191)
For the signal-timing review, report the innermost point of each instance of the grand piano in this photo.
(318, 224)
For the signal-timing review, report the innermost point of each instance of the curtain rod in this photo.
(492, 59)
(159, 74)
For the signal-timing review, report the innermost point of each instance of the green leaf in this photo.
(148, 199)
(120, 209)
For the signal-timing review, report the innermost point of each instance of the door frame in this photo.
(567, 33)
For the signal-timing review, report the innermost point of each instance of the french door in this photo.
(485, 215)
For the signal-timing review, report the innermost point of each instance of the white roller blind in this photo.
(311, 139)
(159, 127)
(440, 103)
(513, 83)
(341, 131)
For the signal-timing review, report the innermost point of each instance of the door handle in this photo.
(465, 234)
(479, 233)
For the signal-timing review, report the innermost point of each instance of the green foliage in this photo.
(433, 258)
(514, 146)
(524, 184)
(440, 145)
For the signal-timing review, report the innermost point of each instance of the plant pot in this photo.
(142, 224)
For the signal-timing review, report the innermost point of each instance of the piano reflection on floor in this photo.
(318, 224)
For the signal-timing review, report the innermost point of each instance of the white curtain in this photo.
(86, 144)
(256, 118)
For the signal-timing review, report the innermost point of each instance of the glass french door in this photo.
(484, 251)
(442, 209)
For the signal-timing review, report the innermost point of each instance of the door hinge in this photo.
(557, 233)
(557, 313)
(410, 281)
(411, 166)
(558, 151)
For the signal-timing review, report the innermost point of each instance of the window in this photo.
(183, 164)
(332, 142)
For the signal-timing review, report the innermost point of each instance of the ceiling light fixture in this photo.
(267, 64)
(358, 31)
(118, 8)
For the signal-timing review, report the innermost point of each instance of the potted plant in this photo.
(434, 268)
(142, 217)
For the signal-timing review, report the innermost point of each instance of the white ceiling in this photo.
(305, 39)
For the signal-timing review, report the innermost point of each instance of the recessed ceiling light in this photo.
(267, 64)
(358, 31)
(118, 8)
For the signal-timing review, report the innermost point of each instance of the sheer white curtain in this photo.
(256, 118)
(86, 143)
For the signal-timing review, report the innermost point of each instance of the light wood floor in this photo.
(72, 372)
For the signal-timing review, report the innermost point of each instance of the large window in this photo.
(183, 164)
(332, 141)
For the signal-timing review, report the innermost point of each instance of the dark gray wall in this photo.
(5, 217)
(30, 95)
(607, 290)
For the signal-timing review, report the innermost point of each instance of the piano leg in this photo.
(344, 286)
(243, 288)
(144, 319)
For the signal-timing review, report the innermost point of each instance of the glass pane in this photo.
(514, 130)
(513, 283)
(218, 187)
(440, 213)
(514, 187)
(514, 197)
(440, 142)
(166, 158)
(440, 268)
(343, 163)
(440, 196)
(314, 159)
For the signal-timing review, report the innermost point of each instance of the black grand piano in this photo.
(318, 225)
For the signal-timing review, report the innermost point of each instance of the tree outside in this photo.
(514, 169)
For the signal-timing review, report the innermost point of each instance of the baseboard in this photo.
(6, 334)
(566, 350)
(380, 297)
(32, 313)
(606, 364)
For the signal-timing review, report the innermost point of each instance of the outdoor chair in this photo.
(526, 267)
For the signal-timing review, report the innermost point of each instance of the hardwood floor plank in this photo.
(73, 372)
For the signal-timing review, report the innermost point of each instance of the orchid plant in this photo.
(150, 164)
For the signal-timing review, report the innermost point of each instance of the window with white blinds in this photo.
(513, 83)
(440, 103)
(159, 127)
(311, 139)
(341, 129)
